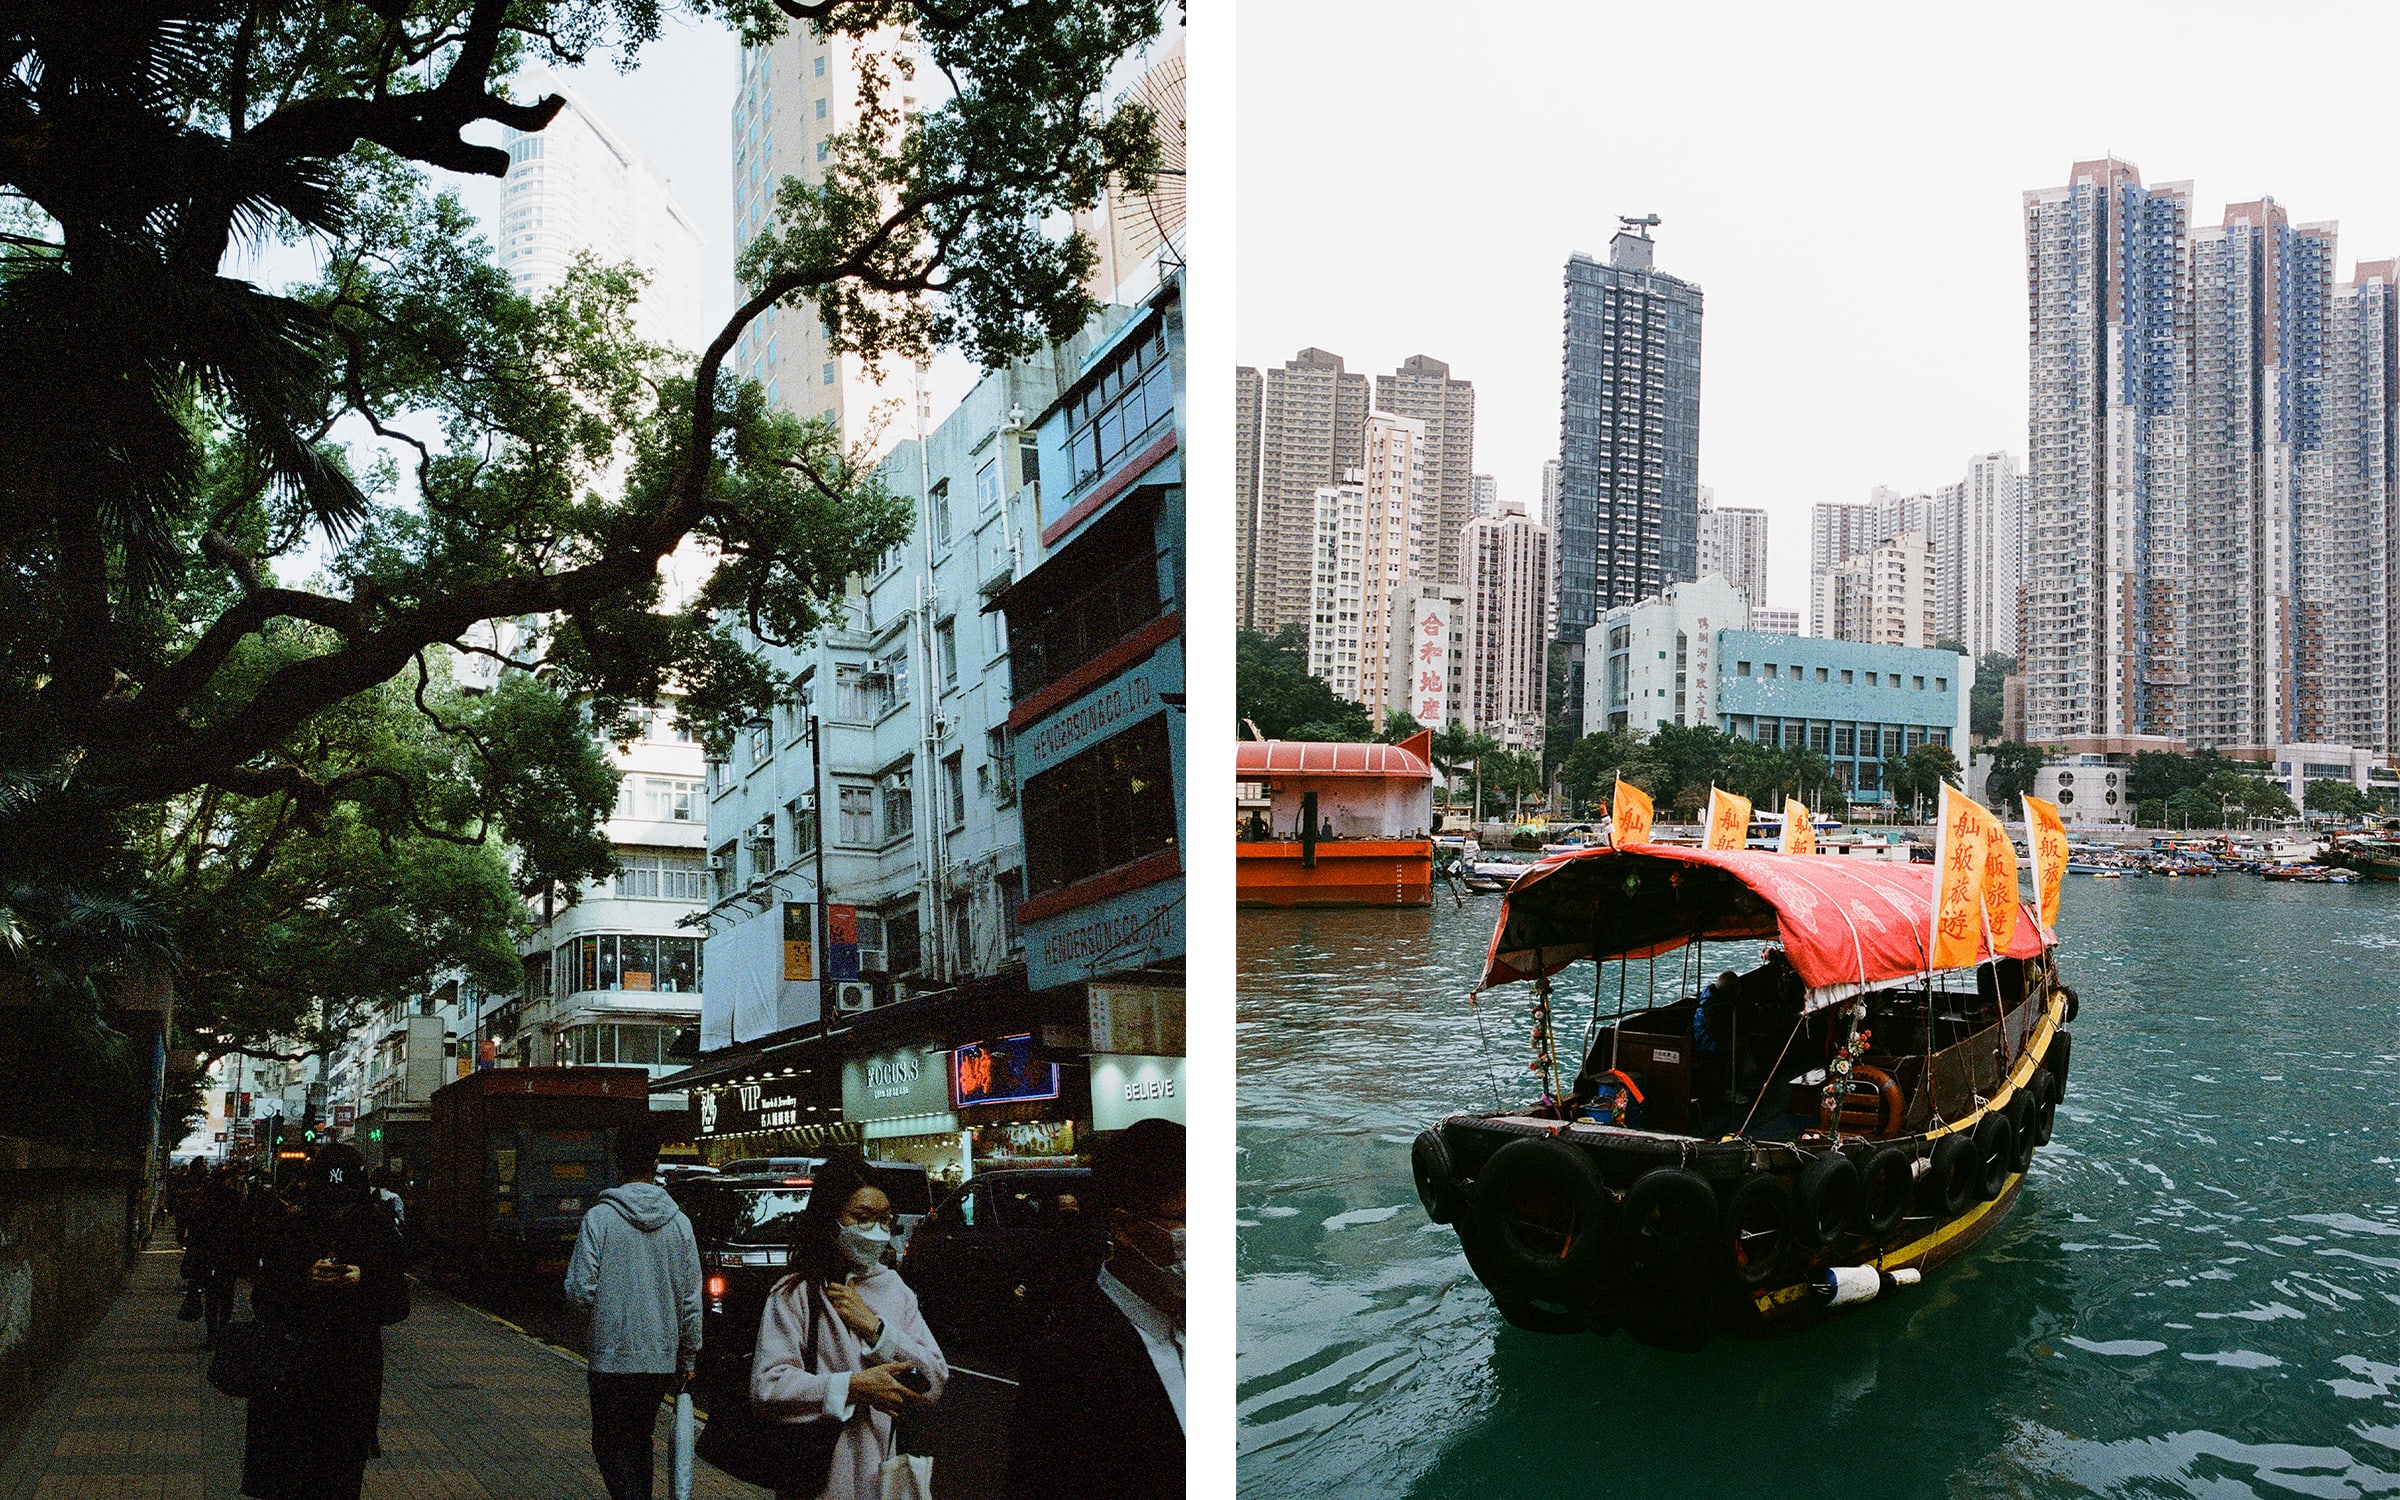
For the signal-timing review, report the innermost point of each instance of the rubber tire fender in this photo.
(1437, 1177)
(1884, 1185)
(1666, 1192)
(1535, 1319)
(2074, 1005)
(1559, 1277)
(2025, 1122)
(1995, 1147)
(2045, 1090)
(2061, 1050)
(1952, 1181)
(1825, 1199)
(1758, 1192)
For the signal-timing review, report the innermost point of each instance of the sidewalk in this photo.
(471, 1409)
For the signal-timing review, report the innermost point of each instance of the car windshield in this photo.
(764, 1216)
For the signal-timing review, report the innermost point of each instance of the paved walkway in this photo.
(471, 1409)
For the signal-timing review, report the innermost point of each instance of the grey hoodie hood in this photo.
(646, 1205)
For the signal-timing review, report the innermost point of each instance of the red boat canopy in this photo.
(1410, 760)
(1847, 924)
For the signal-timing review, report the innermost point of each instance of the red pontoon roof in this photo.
(1257, 758)
(1847, 924)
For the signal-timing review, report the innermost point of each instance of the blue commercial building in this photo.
(1855, 704)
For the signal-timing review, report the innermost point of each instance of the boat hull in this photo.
(1345, 872)
(1705, 1284)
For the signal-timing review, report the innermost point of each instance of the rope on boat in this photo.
(1772, 1075)
(1477, 1012)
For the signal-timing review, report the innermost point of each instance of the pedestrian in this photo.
(328, 1276)
(636, 1269)
(218, 1242)
(1099, 1407)
(873, 1354)
(183, 1199)
(386, 1183)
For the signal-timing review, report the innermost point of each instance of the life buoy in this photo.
(1825, 1198)
(1884, 1184)
(1667, 1212)
(1995, 1146)
(1871, 1104)
(1758, 1227)
(1437, 1179)
(1544, 1212)
(1955, 1176)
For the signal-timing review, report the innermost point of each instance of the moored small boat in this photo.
(1755, 1152)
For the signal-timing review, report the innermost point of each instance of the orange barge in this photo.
(1324, 824)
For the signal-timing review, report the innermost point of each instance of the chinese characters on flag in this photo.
(1629, 816)
(2046, 839)
(1728, 820)
(1959, 850)
(1799, 834)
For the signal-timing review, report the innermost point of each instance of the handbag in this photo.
(253, 1358)
(787, 1457)
(905, 1476)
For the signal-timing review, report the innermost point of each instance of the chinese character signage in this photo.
(1426, 675)
(1799, 834)
(1959, 851)
(2046, 839)
(1001, 1072)
(799, 943)
(1629, 816)
(1728, 820)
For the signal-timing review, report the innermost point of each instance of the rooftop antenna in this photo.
(1641, 226)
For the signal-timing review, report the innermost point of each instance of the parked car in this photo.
(995, 1255)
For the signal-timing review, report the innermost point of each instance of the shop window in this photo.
(1109, 806)
(669, 965)
(1068, 634)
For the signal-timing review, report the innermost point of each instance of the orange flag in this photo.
(2046, 839)
(1728, 820)
(1999, 883)
(1959, 850)
(1629, 816)
(1799, 834)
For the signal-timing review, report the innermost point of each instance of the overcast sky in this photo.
(1844, 183)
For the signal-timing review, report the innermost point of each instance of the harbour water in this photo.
(2198, 1292)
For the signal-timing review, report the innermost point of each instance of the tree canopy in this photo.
(181, 447)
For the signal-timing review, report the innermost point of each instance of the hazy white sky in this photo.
(1844, 183)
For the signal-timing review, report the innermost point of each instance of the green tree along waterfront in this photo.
(2194, 1296)
(208, 758)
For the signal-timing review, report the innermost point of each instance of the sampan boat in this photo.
(1749, 1154)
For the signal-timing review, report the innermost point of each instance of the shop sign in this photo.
(1426, 672)
(1126, 1088)
(1123, 932)
(841, 942)
(895, 1085)
(1109, 709)
(345, 1114)
(799, 942)
(1026, 1142)
(1136, 1018)
(1001, 1072)
(748, 1107)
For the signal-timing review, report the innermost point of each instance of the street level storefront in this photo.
(900, 1100)
(765, 1112)
(1023, 1107)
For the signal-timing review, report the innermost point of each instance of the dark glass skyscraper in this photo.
(1629, 438)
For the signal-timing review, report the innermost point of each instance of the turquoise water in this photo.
(2197, 1294)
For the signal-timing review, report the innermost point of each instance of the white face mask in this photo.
(863, 1245)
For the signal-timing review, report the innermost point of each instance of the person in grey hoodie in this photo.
(636, 1269)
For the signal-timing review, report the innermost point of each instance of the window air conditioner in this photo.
(876, 667)
(851, 996)
(719, 863)
(897, 781)
(763, 831)
(806, 802)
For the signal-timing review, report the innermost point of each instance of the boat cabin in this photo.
(1327, 824)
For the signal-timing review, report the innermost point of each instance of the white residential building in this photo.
(1733, 545)
(1506, 558)
(1653, 663)
(577, 186)
(1775, 621)
(1989, 567)
(1338, 589)
(1486, 491)
(1881, 597)
(1399, 542)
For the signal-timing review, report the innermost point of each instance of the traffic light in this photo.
(310, 1132)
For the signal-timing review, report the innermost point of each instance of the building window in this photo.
(1917, 683)
(858, 815)
(607, 1043)
(669, 799)
(1941, 684)
(954, 786)
(724, 867)
(820, 61)
(802, 811)
(1109, 806)
(1011, 885)
(962, 937)
(938, 501)
(669, 965)
(662, 875)
(1741, 669)
(1843, 739)
(1846, 675)
(856, 697)
(945, 650)
(1820, 674)
(899, 813)
(762, 742)
(1870, 679)
(1072, 632)
(820, 109)
(1000, 755)
(1121, 410)
(901, 950)
(987, 488)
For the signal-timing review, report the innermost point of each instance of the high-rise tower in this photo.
(1423, 391)
(1296, 429)
(1629, 436)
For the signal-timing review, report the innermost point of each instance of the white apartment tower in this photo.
(796, 94)
(1338, 590)
(577, 186)
(1882, 597)
(1444, 409)
(1296, 429)
(1486, 490)
(1399, 542)
(1507, 560)
(1989, 563)
(1733, 545)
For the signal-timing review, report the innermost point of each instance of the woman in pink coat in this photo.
(874, 1354)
